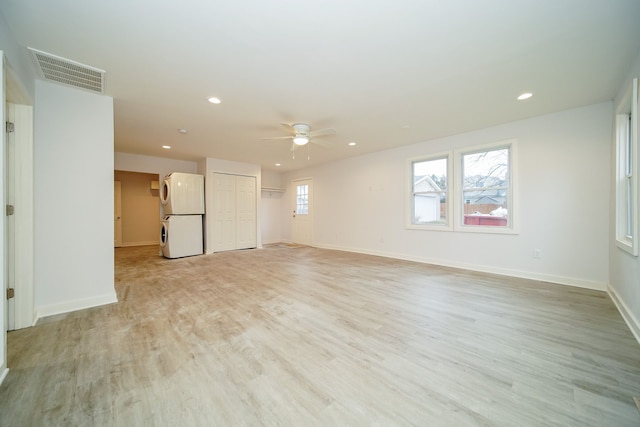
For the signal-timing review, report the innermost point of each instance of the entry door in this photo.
(117, 213)
(302, 216)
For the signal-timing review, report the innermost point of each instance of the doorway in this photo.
(136, 208)
(302, 218)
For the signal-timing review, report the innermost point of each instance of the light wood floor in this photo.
(304, 337)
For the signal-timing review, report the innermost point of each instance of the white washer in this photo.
(181, 235)
(182, 194)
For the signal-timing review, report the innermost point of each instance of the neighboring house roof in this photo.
(488, 200)
(425, 183)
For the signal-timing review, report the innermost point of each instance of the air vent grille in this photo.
(67, 72)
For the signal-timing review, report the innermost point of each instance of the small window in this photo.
(487, 188)
(429, 192)
(627, 172)
(302, 199)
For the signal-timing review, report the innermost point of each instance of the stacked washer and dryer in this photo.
(182, 197)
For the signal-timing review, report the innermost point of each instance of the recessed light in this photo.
(524, 96)
(278, 164)
(352, 143)
(405, 126)
(166, 147)
(183, 131)
(214, 100)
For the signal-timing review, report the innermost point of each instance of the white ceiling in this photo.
(382, 73)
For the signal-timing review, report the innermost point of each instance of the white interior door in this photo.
(302, 216)
(117, 214)
(17, 233)
(246, 212)
(10, 228)
(234, 212)
(18, 237)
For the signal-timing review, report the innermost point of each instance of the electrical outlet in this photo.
(537, 253)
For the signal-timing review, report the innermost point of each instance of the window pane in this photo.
(486, 169)
(302, 199)
(430, 192)
(486, 188)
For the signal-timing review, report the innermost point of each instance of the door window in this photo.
(302, 199)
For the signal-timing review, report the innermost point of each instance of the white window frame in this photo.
(626, 136)
(448, 226)
(455, 200)
(512, 192)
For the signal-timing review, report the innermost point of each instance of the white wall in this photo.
(625, 268)
(148, 164)
(73, 193)
(563, 178)
(17, 59)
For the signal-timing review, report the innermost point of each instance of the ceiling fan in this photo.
(302, 134)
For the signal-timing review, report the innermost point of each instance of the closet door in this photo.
(224, 212)
(234, 212)
(246, 212)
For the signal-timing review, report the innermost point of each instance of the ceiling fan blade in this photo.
(325, 144)
(321, 132)
(278, 137)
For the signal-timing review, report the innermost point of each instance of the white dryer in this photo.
(181, 236)
(182, 194)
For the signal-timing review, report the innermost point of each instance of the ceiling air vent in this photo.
(60, 70)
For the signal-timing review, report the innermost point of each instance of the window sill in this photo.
(428, 227)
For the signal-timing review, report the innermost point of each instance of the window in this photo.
(429, 192)
(474, 192)
(627, 172)
(302, 199)
(486, 187)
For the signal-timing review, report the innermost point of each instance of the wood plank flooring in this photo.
(299, 336)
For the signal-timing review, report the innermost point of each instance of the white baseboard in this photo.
(3, 375)
(150, 243)
(626, 314)
(79, 304)
(569, 281)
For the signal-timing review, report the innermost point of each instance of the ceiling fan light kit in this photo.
(302, 134)
(300, 140)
